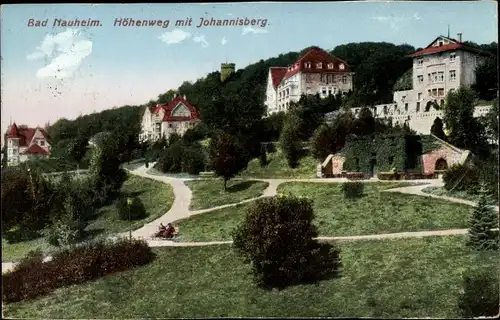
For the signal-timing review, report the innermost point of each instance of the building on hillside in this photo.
(226, 70)
(383, 153)
(25, 143)
(442, 67)
(316, 72)
(165, 119)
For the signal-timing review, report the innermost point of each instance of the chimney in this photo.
(459, 36)
(175, 96)
(184, 97)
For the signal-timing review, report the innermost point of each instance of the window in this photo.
(42, 143)
(418, 106)
(441, 76)
(429, 78)
(419, 95)
(453, 75)
(453, 56)
(434, 92)
(440, 43)
(420, 79)
(434, 77)
(287, 92)
(319, 65)
(323, 91)
(307, 65)
(341, 66)
(344, 79)
(420, 63)
(406, 106)
(308, 78)
(330, 66)
(441, 92)
(429, 92)
(329, 91)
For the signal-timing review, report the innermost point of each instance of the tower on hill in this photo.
(226, 69)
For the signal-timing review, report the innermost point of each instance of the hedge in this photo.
(32, 277)
(405, 176)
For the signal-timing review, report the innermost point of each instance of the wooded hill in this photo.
(377, 67)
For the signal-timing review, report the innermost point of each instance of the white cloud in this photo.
(64, 52)
(174, 36)
(201, 39)
(223, 41)
(252, 30)
(396, 22)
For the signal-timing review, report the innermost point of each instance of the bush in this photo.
(136, 208)
(480, 296)
(461, 178)
(353, 190)
(356, 175)
(277, 239)
(405, 176)
(193, 159)
(73, 266)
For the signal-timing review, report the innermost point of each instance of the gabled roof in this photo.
(277, 73)
(25, 135)
(168, 108)
(36, 149)
(453, 45)
(317, 55)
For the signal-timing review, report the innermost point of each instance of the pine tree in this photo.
(484, 219)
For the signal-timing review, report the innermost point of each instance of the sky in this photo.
(50, 70)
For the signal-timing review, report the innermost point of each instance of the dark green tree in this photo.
(483, 220)
(487, 79)
(365, 123)
(227, 155)
(322, 143)
(290, 142)
(437, 128)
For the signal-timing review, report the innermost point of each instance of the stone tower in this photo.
(226, 69)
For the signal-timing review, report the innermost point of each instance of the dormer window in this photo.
(341, 66)
(307, 65)
(319, 65)
(420, 62)
(330, 66)
(453, 55)
(440, 43)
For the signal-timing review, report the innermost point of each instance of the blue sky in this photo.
(53, 72)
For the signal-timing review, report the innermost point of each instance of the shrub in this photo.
(193, 159)
(461, 178)
(480, 296)
(277, 239)
(353, 190)
(132, 206)
(73, 266)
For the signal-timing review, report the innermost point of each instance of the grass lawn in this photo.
(277, 167)
(156, 196)
(441, 191)
(381, 279)
(210, 193)
(375, 213)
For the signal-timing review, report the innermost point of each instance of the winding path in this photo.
(182, 199)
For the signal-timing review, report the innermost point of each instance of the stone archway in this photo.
(441, 164)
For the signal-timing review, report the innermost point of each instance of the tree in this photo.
(464, 130)
(309, 113)
(365, 123)
(480, 296)
(483, 220)
(277, 238)
(322, 143)
(173, 138)
(487, 79)
(290, 142)
(227, 156)
(437, 128)
(78, 148)
(491, 122)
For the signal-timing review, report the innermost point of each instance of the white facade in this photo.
(164, 120)
(316, 72)
(440, 68)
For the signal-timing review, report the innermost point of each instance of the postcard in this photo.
(205, 160)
